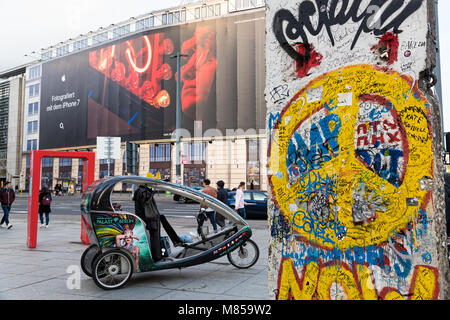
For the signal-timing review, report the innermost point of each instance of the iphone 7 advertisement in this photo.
(128, 87)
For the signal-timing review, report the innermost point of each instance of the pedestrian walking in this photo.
(45, 201)
(239, 205)
(7, 197)
(205, 212)
(222, 195)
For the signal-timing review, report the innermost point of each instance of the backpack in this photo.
(47, 200)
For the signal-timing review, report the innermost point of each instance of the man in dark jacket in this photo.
(146, 209)
(7, 197)
(222, 195)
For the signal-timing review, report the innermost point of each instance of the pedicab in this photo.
(123, 243)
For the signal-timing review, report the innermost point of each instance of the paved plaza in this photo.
(52, 270)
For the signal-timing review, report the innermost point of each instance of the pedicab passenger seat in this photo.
(177, 242)
(200, 244)
(171, 233)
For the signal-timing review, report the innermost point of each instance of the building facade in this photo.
(12, 94)
(121, 81)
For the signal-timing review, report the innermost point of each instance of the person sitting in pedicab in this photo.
(128, 238)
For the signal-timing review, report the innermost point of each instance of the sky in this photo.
(29, 25)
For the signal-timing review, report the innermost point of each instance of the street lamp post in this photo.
(178, 55)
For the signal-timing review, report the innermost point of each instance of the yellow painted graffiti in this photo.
(425, 284)
(289, 282)
(338, 282)
(365, 193)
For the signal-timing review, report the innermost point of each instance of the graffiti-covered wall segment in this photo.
(351, 144)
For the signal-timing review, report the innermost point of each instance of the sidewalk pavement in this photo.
(52, 269)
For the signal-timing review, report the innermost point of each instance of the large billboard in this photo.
(127, 88)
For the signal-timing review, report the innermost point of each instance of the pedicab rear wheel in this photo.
(88, 257)
(112, 269)
(245, 256)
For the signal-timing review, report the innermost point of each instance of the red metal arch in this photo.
(35, 173)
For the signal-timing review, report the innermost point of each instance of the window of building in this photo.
(237, 4)
(204, 12)
(170, 18)
(160, 153)
(99, 38)
(46, 55)
(164, 18)
(80, 44)
(33, 108)
(32, 145)
(65, 162)
(33, 90)
(183, 16)
(197, 13)
(105, 161)
(4, 91)
(34, 72)
(145, 23)
(217, 9)
(62, 50)
(4, 116)
(121, 31)
(176, 16)
(103, 168)
(194, 152)
(210, 11)
(47, 162)
(65, 168)
(194, 176)
(32, 127)
(47, 177)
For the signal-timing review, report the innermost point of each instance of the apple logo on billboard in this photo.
(63, 78)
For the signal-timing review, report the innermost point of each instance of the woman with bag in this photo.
(45, 200)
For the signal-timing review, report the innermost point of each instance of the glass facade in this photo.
(103, 170)
(121, 31)
(80, 44)
(4, 110)
(47, 172)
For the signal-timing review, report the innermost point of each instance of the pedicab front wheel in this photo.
(245, 256)
(88, 257)
(112, 269)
